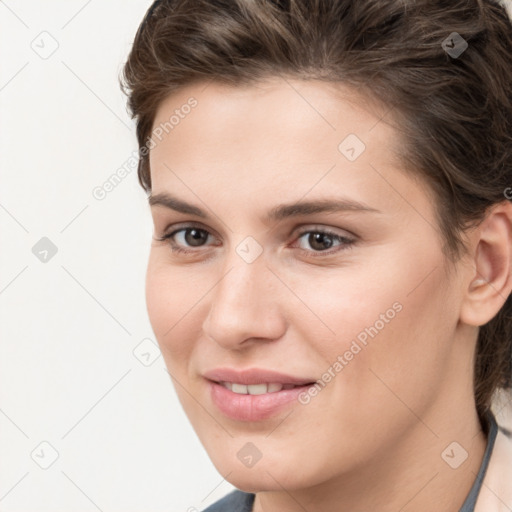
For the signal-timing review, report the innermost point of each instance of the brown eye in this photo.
(195, 237)
(185, 239)
(320, 241)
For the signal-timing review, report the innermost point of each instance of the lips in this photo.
(254, 394)
(256, 389)
(255, 376)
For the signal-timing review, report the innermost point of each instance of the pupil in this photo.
(324, 241)
(195, 236)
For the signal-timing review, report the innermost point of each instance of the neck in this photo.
(414, 475)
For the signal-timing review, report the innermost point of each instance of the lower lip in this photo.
(253, 407)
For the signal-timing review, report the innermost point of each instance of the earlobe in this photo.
(490, 277)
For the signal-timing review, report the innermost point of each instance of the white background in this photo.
(68, 374)
(71, 326)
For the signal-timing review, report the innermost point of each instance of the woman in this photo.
(330, 276)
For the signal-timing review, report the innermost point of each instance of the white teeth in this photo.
(227, 385)
(255, 389)
(239, 388)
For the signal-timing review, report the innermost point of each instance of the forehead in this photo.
(276, 101)
(277, 138)
(271, 119)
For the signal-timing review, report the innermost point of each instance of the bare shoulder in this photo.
(496, 492)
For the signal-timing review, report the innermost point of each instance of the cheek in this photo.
(170, 300)
(159, 299)
(396, 319)
(339, 306)
(406, 358)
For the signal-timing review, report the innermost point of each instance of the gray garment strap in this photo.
(235, 501)
(470, 502)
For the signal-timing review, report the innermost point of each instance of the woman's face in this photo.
(353, 296)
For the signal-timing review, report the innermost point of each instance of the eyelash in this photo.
(347, 242)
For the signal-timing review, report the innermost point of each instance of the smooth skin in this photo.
(373, 437)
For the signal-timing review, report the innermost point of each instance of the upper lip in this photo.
(254, 376)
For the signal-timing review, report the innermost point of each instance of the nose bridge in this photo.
(243, 305)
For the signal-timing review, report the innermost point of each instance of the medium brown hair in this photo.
(454, 111)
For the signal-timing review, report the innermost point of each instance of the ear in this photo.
(489, 280)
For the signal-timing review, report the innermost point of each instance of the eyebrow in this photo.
(277, 213)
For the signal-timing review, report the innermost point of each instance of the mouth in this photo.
(255, 402)
(254, 394)
(259, 389)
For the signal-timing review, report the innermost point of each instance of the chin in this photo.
(268, 474)
(253, 480)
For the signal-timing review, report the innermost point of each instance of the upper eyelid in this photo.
(297, 232)
(177, 228)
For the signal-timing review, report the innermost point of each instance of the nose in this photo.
(245, 306)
